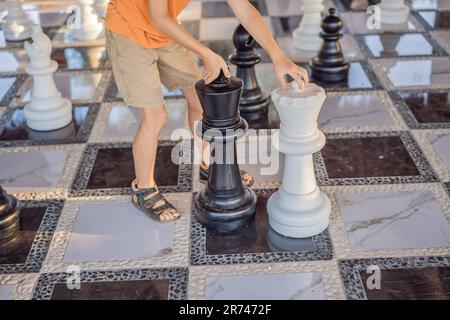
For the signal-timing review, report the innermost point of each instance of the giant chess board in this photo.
(385, 168)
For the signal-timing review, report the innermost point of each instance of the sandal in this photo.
(153, 204)
(204, 176)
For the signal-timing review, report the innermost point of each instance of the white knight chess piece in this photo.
(17, 25)
(306, 36)
(47, 109)
(299, 209)
(393, 11)
(86, 25)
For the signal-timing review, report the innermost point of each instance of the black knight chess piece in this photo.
(329, 65)
(225, 205)
(10, 238)
(254, 100)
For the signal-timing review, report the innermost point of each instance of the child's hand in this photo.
(213, 63)
(284, 66)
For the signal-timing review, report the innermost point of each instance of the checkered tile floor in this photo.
(386, 169)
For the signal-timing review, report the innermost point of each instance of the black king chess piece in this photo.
(254, 102)
(225, 205)
(330, 65)
(10, 238)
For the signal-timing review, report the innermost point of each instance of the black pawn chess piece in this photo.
(329, 65)
(254, 101)
(225, 205)
(10, 238)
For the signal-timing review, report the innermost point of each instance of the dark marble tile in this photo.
(256, 243)
(114, 290)
(428, 107)
(192, 26)
(114, 168)
(356, 5)
(429, 283)
(30, 221)
(14, 131)
(284, 26)
(391, 45)
(216, 9)
(81, 58)
(51, 19)
(435, 19)
(367, 157)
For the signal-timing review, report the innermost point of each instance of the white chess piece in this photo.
(299, 209)
(306, 36)
(394, 11)
(47, 109)
(100, 7)
(87, 25)
(17, 25)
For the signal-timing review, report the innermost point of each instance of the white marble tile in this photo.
(2, 39)
(5, 85)
(6, 291)
(413, 44)
(441, 144)
(356, 110)
(289, 286)
(13, 61)
(74, 86)
(393, 220)
(422, 72)
(116, 231)
(430, 4)
(38, 169)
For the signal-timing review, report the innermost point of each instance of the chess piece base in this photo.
(226, 214)
(326, 74)
(10, 238)
(50, 118)
(299, 216)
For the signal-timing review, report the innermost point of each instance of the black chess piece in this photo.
(254, 101)
(225, 205)
(9, 223)
(330, 65)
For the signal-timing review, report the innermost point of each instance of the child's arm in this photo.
(255, 25)
(213, 63)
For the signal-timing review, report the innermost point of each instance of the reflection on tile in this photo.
(357, 110)
(367, 157)
(436, 19)
(74, 86)
(114, 290)
(256, 237)
(356, 23)
(32, 169)
(429, 283)
(30, 222)
(7, 291)
(216, 9)
(393, 220)
(5, 85)
(441, 143)
(357, 79)
(15, 128)
(263, 120)
(358, 5)
(124, 121)
(47, 19)
(398, 45)
(288, 286)
(430, 4)
(114, 168)
(100, 234)
(428, 107)
(13, 61)
(417, 72)
(80, 58)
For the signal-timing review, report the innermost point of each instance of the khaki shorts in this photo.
(139, 72)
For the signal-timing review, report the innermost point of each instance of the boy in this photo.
(147, 47)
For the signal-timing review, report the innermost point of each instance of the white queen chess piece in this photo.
(86, 24)
(299, 209)
(17, 25)
(306, 36)
(47, 109)
(393, 11)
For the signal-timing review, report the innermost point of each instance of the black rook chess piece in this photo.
(245, 58)
(9, 223)
(330, 65)
(225, 205)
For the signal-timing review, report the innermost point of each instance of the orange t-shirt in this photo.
(131, 18)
